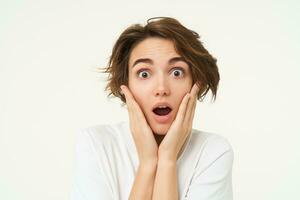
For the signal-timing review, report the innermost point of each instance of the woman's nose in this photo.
(162, 88)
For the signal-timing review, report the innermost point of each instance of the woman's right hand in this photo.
(142, 133)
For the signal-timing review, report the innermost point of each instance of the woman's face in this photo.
(158, 76)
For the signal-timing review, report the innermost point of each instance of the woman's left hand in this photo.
(180, 128)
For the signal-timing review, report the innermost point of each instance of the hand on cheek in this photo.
(140, 130)
(180, 128)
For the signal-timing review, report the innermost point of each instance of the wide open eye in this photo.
(178, 72)
(143, 74)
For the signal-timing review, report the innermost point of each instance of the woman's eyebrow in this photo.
(149, 61)
(142, 60)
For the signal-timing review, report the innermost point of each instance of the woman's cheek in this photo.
(138, 93)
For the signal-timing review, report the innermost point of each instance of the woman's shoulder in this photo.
(210, 143)
(102, 133)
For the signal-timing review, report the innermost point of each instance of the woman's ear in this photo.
(199, 84)
(121, 91)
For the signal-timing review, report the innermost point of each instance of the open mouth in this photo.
(161, 111)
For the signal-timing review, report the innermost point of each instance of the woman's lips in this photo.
(162, 118)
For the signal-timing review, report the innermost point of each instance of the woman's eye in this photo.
(143, 74)
(178, 72)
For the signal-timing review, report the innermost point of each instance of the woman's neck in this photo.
(158, 138)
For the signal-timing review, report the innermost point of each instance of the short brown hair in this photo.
(202, 64)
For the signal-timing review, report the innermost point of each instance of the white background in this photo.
(49, 51)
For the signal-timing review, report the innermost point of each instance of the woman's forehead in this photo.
(153, 49)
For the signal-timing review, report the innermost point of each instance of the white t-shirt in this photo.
(106, 162)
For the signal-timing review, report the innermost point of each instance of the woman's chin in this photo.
(160, 129)
(157, 127)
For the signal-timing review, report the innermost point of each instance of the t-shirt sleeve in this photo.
(213, 176)
(89, 183)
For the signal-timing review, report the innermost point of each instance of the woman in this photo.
(159, 71)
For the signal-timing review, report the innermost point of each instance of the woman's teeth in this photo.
(162, 106)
